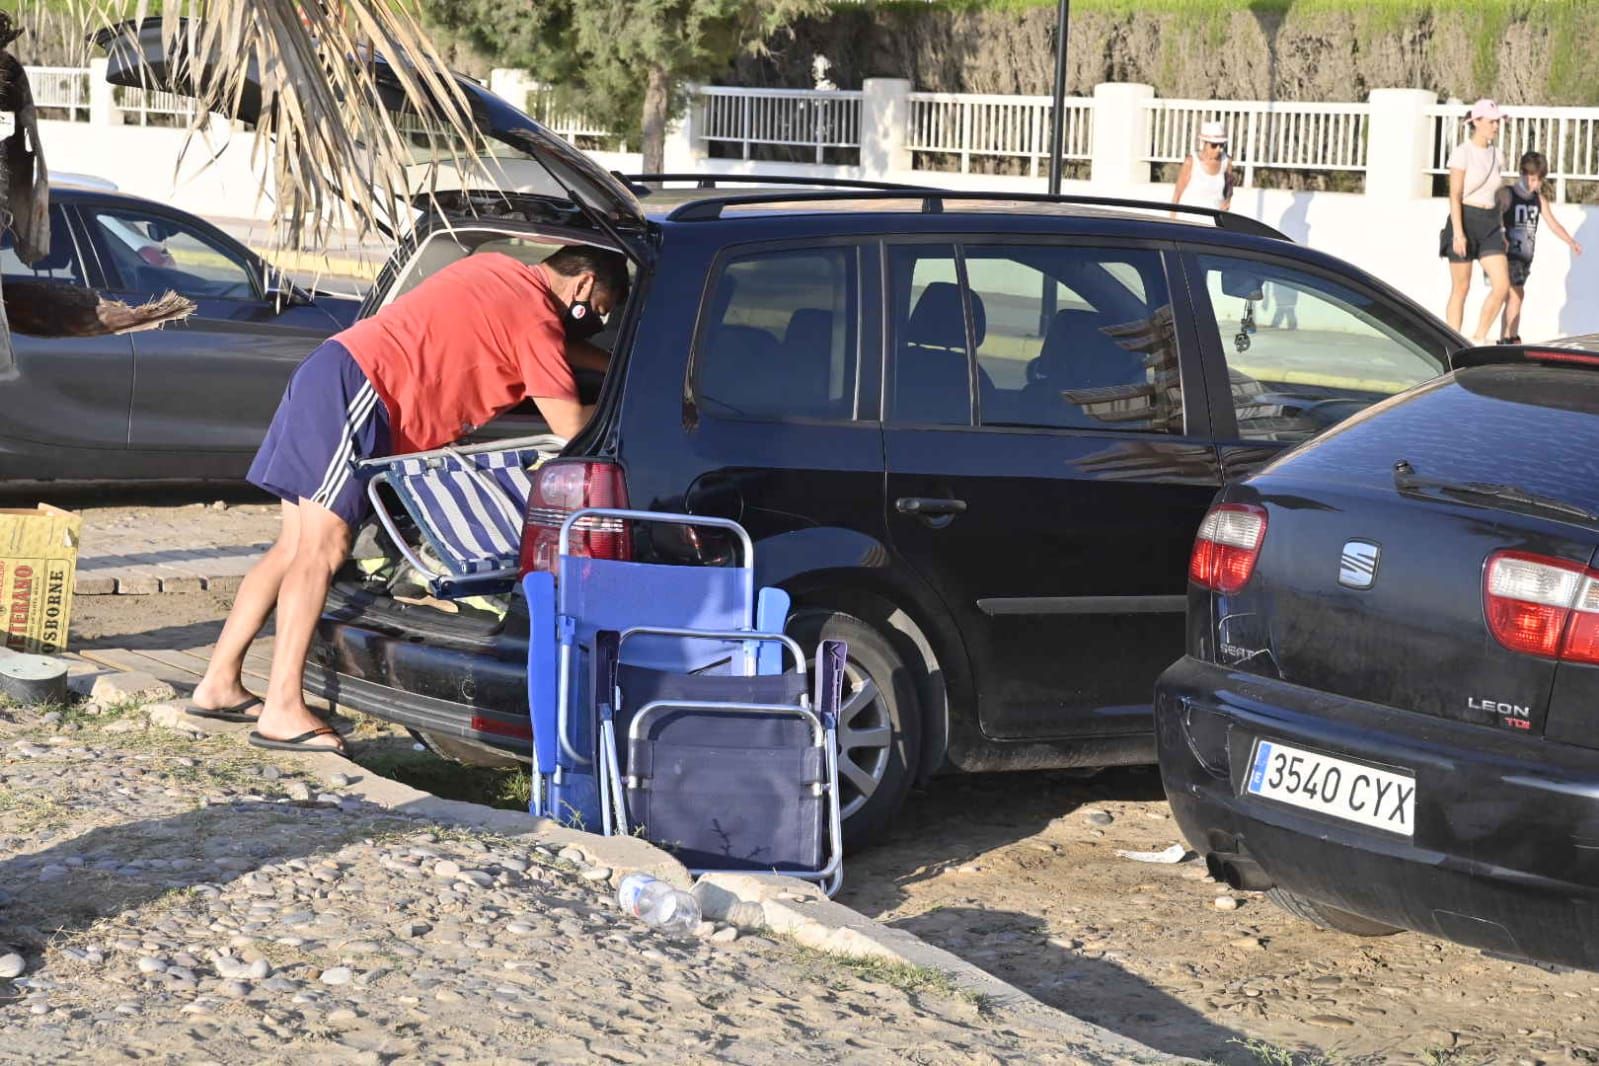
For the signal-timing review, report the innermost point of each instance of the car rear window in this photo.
(779, 336)
(1531, 427)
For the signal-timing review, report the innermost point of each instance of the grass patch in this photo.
(910, 979)
(507, 789)
(1268, 1054)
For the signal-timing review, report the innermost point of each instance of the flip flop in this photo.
(299, 743)
(234, 713)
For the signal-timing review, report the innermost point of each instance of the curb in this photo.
(793, 909)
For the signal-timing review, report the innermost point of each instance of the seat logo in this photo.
(1357, 569)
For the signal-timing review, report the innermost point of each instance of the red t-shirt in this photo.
(466, 344)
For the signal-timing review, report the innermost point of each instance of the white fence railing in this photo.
(61, 88)
(1568, 137)
(138, 106)
(799, 118)
(566, 122)
(956, 129)
(970, 125)
(1263, 134)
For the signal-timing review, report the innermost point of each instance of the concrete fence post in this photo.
(885, 128)
(1120, 130)
(1399, 144)
(511, 86)
(685, 150)
(102, 105)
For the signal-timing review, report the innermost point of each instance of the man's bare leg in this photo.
(1512, 319)
(323, 544)
(223, 683)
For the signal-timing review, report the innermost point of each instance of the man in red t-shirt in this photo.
(468, 343)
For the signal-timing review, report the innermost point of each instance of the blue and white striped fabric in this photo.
(469, 507)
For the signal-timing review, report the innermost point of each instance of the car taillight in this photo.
(1227, 546)
(1542, 606)
(560, 487)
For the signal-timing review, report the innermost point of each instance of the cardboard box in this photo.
(38, 559)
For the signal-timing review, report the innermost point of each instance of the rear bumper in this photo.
(1505, 851)
(469, 694)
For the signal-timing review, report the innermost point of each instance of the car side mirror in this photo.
(1242, 285)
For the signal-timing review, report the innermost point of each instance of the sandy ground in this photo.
(166, 899)
(1012, 872)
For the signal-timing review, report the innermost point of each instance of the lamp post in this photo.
(1057, 128)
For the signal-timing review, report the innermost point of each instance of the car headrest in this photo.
(938, 321)
(810, 326)
(1077, 349)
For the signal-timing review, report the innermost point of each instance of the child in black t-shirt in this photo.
(1524, 205)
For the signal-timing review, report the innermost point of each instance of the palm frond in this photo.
(338, 154)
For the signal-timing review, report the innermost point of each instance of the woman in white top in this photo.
(1206, 179)
(1476, 229)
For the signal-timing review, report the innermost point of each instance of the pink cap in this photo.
(1484, 108)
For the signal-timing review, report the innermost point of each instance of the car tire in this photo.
(467, 754)
(1324, 917)
(876, 764)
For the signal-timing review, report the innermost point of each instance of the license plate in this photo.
(1351, 791)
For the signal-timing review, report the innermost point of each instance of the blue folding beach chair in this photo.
(467, 505)
(730, 773)
(587, 596)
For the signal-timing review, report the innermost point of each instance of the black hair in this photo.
(609, 268)
(1535, 164)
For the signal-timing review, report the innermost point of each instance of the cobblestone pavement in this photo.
(141, 550)
(168, 899)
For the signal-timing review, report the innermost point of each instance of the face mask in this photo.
(580, 320)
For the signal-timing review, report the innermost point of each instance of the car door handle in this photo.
(934, 511)
(929, 505)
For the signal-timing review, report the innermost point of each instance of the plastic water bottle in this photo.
(658, 904)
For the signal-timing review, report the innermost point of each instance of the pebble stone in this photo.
(1098, 818)
(12, 965)
(336, 975)
(1226, 903)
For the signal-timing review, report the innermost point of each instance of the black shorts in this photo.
(1519, 269)
(1485, 235)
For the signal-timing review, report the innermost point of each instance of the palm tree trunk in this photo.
(657, 109)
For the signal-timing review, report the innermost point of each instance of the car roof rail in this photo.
(1573, 351)
(710, 181)
(711, 207)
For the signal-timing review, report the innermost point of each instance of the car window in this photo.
(1075, 338)
(1066, 337)
(152, 254)
(1304, 352)
(931, 368)
(779, 339)
(60, 264)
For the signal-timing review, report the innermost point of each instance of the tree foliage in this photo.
(600, 55)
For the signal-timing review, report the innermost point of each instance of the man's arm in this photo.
(565, 417)
(586, 356)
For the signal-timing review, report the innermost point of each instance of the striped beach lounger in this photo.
(467, 505)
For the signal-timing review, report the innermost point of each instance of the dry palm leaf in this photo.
(56, 309)
(340, 153)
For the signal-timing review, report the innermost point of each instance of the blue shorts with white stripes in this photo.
(329, 419)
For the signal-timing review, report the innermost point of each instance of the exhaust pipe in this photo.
(1237, 872)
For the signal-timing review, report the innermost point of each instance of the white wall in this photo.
(1395, 239)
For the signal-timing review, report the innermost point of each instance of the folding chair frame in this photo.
(822, 717)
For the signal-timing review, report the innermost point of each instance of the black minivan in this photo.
(971, 434)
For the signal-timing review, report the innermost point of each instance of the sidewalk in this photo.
(139, 551)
